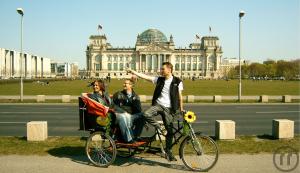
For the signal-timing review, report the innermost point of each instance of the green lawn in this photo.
(200, 87)
(72, 146)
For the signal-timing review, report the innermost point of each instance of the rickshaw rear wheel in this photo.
(100, 149)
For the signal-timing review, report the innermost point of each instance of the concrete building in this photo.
(152, 48)
(33, 66)
(64, 70)
(229, 63)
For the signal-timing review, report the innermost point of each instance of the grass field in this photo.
(199, 87)
(62, 146)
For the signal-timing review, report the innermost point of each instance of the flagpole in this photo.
(99, 29)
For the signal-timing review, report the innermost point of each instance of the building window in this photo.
(194, 59)
(177, 58)
(183, 59)
(168, 59)
(183, 66)
(194, 66)
(127, 59)
(109, 66)
(98, 67)
(211, 67)
(109, 58)
(188, 67)
(199, 58)
(115, 58)
(98, 58)
(121, 66)
(177, 67)
(200, 66)
(115, 66)
(132, 65)
(189, 59)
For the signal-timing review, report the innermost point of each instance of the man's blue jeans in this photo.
(125, 121)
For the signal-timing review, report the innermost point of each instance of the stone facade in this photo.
(152, 48)
(33, 66)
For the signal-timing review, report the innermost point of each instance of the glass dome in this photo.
(153, 35)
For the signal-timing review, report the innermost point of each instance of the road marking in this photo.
(13, 122)
(54, 108)
(30, 112)
(201, 122)
(274, 112)
(253, 107)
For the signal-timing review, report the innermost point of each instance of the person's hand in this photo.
(134, 77)
(111, 110)
(128, 70)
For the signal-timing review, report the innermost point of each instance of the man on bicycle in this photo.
(167, 100)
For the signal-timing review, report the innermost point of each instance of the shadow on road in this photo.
(146, 160)
(76, 154)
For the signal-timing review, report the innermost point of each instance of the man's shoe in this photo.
(132, 141)
(138, 139)
(170, 157)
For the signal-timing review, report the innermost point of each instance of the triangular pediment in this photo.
(155, 48)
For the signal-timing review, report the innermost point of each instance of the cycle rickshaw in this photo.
(197, 151)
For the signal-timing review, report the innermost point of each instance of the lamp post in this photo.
(241, 14)
(21, 12)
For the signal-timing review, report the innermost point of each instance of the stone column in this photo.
(217, 62)
(191, 63)
(196, 63)
(158, 62)
(91, 66)
(206, 64)
(185, 63)
(118, 63)
(146, 68)
(140, 64)
(152, 62)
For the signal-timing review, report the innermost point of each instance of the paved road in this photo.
(260, 163)
(251, 119)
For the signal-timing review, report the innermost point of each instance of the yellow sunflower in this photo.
(102, 121)
(190, 116)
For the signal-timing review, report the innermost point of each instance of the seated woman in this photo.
(99, 93)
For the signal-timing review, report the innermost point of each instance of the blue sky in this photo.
(59, 29)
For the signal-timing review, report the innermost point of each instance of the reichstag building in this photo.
(201, 59)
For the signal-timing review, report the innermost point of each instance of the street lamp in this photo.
(21, 12)
(241, 14)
